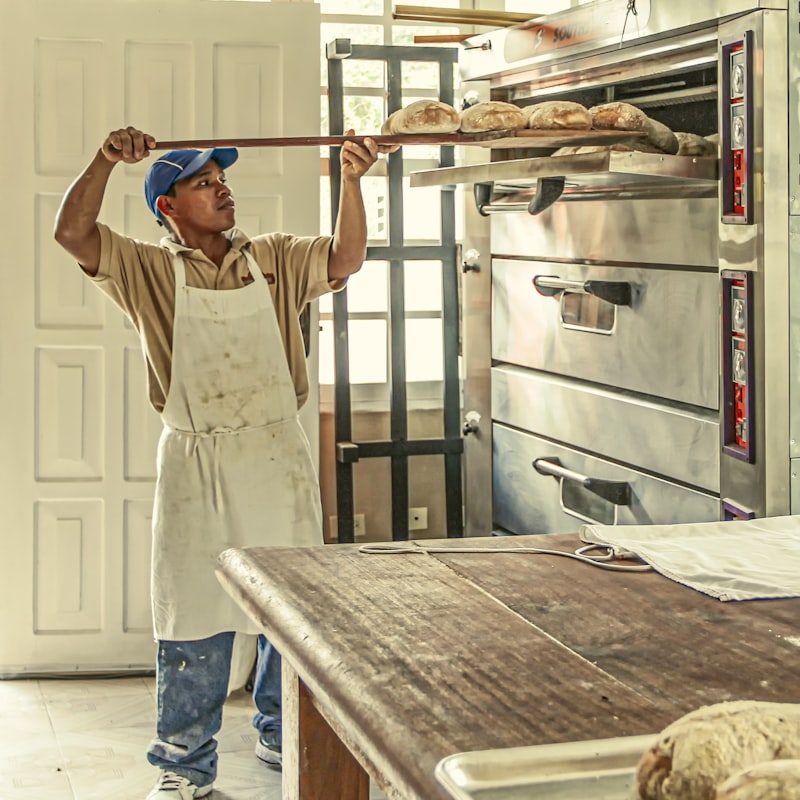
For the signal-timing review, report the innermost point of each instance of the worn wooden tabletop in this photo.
(410, 658)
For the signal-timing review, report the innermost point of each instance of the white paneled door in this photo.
(77, 451)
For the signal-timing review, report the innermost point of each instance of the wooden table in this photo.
(392, 662)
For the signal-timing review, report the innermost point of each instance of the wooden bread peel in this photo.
(516, 138)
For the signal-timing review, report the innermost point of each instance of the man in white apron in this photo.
(217, 314)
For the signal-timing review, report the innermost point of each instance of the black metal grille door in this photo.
(399, 448)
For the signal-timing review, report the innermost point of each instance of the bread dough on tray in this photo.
(701, 750)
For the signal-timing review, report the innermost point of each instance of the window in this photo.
(370, 22)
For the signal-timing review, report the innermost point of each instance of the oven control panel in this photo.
(738, 383)
(737, 131)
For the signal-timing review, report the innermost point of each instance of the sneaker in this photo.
(175, 787)
(268, 749)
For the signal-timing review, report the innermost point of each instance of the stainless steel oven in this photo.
(631, 320)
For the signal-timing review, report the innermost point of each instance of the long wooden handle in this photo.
(453, 38)
(486, 22)
(499, 17)
(525, 137)
(333, 141)
(277, 141)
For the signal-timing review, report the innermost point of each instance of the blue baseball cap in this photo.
(176, 165)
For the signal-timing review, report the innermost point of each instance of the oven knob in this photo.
(472, 421)
(737, 133)
(737, 80)
(472, 260)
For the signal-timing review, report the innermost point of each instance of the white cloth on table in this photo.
(732, 560)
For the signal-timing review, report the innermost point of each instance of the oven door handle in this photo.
(619, 293)
(548, 190)
(616, 492)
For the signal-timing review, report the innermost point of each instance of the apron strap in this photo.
(180, 271)
(255, 270)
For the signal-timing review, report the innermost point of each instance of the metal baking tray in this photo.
(599, 769)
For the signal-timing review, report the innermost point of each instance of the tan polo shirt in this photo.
(140, 279)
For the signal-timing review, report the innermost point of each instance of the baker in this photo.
(217, 315)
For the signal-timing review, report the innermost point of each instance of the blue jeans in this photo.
(192, 685)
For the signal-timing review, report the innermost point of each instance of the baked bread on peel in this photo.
(557, 114)
(493, 115)
(422, 116)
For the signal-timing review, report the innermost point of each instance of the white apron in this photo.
(234, 465)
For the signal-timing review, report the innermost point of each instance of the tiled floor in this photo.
(83, 739)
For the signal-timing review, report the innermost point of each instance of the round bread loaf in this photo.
(422, 116)
(604, 148)
(690, 144)
(493, 115)
(713, 139)
(618, 116)
(660, 136)
(557, 114)
(386, 128)
(697, 752)
(770, 780)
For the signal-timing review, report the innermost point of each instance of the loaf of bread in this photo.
(618, 116)
(690, 144)
(422, 116)
(699, 751)
(557, 114)
(770, 780)
(493, 115)
(617, 147)
(661, 137)
(620, 147)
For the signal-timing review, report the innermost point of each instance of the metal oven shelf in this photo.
(516, 184)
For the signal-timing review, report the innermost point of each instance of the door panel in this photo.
(77, 461)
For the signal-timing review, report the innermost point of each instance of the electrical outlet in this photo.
(359, 527)
(417, 519)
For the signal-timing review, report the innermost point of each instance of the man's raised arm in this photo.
(76, 221)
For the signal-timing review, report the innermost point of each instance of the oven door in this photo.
(665, 439)
(651, 331)
(543, 487)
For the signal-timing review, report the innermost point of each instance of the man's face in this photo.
(203, 203)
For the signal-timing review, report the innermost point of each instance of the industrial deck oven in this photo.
(630, 320)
